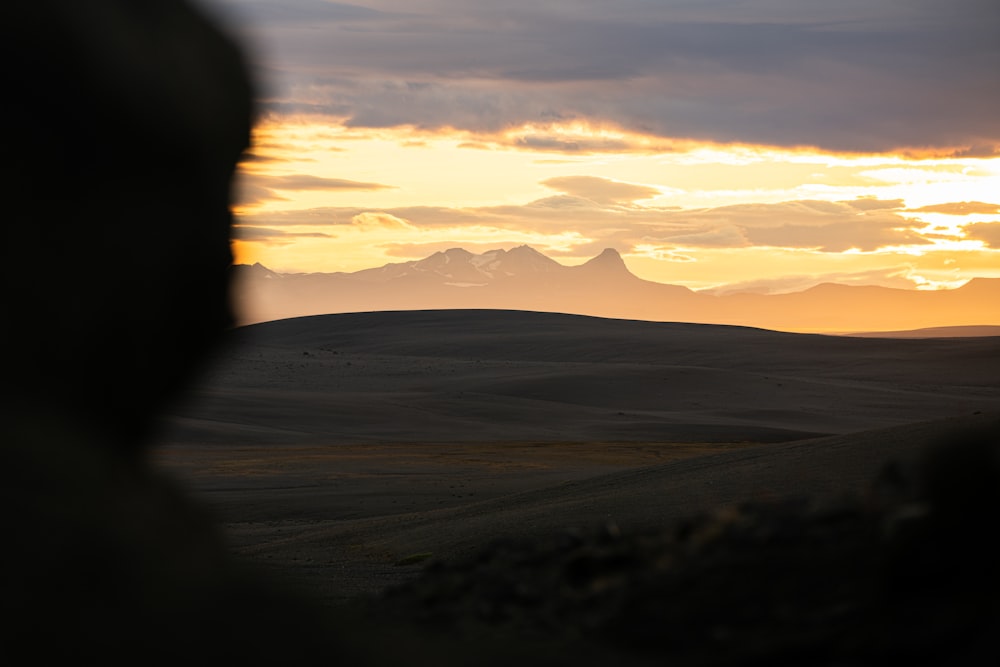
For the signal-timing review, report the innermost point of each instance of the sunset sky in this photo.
(725, 144)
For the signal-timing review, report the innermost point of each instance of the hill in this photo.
(490, 375)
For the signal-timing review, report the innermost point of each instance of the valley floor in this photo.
(839, 550)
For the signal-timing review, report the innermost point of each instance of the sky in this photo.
(717, 144)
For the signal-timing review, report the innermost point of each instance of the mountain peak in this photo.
(524, 250)
(608, 260)
(523, 260)
(256, 269)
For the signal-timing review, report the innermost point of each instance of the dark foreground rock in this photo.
(905, 575)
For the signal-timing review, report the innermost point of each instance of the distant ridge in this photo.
(524, 279)
(935, 332)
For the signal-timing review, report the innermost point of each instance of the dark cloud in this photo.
(259, 188)
(271, 236)
(285, 12)
(580, 145)
(986, 151)
(249, 193)
(960, 208)
(844, 76)
(988, 232)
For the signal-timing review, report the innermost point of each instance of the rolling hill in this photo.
(497, 376)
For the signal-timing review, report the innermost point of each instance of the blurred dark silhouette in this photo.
(124, 121)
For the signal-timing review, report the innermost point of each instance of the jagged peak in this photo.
(256, 266)
(525, 249)
(526, 257)
(609, 259)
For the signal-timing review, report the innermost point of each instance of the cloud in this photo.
(820, 225)
(808, 224)
(985, 150)
(560, 144)
(849, 76)
(286, 12)
(271, 236)
(988, 232)
(417, 216)
(805, 213)
(864, 235)
(380, 220)
(727, 236)
(960, 208)
(566, 203)
(259, 188)
(874, 204)
(601, 190)
(299, 182)
(249, 193)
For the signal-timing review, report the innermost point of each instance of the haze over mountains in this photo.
(525, 279)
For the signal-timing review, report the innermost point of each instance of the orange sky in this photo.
(321, 197)
(768, 145)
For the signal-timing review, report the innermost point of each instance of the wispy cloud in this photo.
(259, 188)
(307, 182)
(272, 236)
(602, 190)
(603, 222)
(961, 208)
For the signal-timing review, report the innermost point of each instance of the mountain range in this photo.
(524, 279)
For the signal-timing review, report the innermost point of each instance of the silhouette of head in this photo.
(124, 122)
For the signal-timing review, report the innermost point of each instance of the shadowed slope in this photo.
(339, 555)
(507, 375)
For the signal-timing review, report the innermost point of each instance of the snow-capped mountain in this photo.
(463, 268)
(524, 279)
